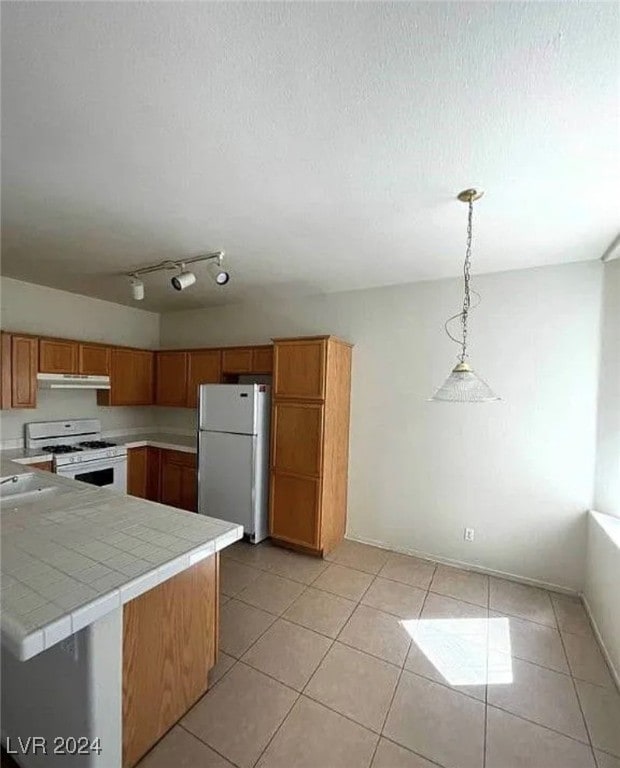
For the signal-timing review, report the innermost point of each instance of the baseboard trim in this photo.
(467, 566)
(614, 672)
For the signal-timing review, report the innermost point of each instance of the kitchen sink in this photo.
(26, 488)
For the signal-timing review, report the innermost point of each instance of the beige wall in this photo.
(36, 309)
(607, 489)
(520, 471)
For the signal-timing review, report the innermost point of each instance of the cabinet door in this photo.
(294, 509)
(299, 369)
(171, 378)
(57, 356)
(204, 367)
(153, 473)
(5, 370)
(137, 472)
(44, 465)
(237, 360)
(131, 378)
(93, 360)
(297, 437)
(262, 359)
(179, 479)
(24, 354)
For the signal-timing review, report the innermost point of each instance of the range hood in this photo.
(72, 381)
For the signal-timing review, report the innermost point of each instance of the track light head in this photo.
(217, 274)
(183, 280)
(137, 288)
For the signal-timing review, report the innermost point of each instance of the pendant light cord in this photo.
(467, 305)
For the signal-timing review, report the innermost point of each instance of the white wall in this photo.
(39, 310)
(601, 585)
(607, 487)
(519, 471)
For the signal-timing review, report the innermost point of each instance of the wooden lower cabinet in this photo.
(179, 480)
(137, 472)
(158, 474)
(47, 466)
(169, 646)
(294, 504)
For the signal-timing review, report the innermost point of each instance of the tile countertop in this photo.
(168, 441)
(72, 558)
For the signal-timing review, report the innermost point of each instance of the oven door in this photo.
(105, 473)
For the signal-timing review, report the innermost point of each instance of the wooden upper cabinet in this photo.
(204, 367)
(237, 360)
(171, 378)
(262, 359)
(299, 368)
(131, 378)
(58, 356)
(5, 370)
(24, 357)
(93, 359)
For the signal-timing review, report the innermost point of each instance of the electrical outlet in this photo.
(469, 534)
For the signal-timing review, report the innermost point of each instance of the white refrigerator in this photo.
(233, 455)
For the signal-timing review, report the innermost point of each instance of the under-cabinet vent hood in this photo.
(72, 381)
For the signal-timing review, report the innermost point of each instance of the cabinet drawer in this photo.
(297, 440)
(299, 369)
(56, 356)
(237, 360)
(94, 360)
(294, 509)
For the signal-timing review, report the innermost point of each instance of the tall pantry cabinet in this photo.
(310, 442)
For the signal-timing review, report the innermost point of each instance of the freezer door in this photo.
(226, 479)
(228, 408)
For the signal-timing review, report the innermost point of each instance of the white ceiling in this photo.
(321, 145)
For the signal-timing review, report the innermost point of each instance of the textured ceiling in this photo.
(321, 145)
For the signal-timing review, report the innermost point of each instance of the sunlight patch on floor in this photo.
(466, 651)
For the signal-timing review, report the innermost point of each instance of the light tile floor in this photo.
(372, 658)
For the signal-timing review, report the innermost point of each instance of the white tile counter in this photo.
(75, 556)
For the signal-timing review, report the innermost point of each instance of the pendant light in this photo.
(463, 385)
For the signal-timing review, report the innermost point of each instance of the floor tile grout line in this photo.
(430, 760)
(206, 743)
(275, 733)
(400, 674)
(583, 716)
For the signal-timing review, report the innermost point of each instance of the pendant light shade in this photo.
(463, 385)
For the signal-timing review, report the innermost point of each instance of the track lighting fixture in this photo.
(137, 288)
(184, 278)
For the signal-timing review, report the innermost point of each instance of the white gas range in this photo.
(79, 451)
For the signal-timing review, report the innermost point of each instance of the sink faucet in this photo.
(13, 479)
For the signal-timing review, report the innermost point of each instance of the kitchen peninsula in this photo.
(110, 606)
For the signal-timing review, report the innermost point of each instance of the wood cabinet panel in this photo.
(237, 360)
(179, 480)
(47, 466)
(24, 363)
(299, 369)
(204, 367)
(153, 473)
(5, 370)
(169, 646)
(262, 359)
(171, 378)
(295, 509)
(297, 437)
(58, 356)
(131, 378)
(93, 360)
(137, 472)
